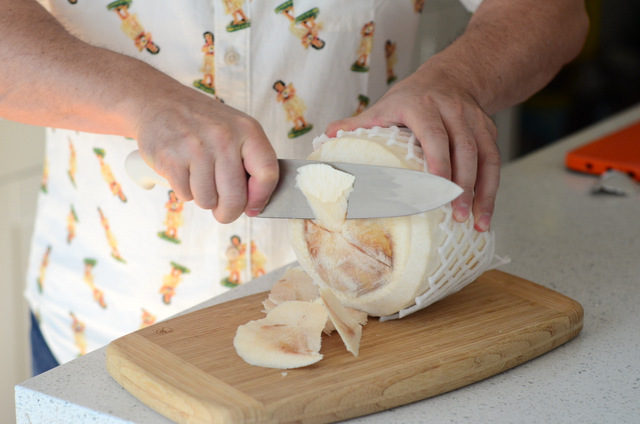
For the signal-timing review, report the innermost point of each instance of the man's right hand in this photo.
(210, 153)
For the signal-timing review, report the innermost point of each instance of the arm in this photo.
(51, 78)
(510, 50)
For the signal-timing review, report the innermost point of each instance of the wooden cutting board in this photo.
(187, 369)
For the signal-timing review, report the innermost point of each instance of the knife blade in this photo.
(378, 191)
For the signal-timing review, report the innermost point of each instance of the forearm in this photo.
(512, 48)
(204, 148)
(51, 78)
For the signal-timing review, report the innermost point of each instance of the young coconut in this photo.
(385, 267)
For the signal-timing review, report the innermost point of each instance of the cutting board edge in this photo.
(499, 276)
(125, 366)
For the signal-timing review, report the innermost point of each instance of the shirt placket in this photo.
(232, 62)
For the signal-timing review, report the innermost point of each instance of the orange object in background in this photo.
(619, 151)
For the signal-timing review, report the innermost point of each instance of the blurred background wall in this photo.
(21, 159)
(605, 79)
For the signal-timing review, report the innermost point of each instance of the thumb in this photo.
(363, 120)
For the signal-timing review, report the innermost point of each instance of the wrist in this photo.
(454, 76)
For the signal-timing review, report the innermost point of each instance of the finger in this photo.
(343, 124)
(262, 181)
(488, 178)
(180, 185)
(170, 167)
(432, 135)
(262, 168)
(464, 164)
(367, 119)
(231, 186)
(202, 182)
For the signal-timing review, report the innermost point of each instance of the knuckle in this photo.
(434, 132)
(205, 202)
(492, 158)
(467, 146)
(183, 195)
(165, 160)
(437, 131)
(248, 125)
(267, 174)
(468, 187)
(492, 129)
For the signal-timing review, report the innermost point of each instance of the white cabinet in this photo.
(21, 158)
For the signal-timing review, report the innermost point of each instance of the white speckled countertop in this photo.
(558, 235)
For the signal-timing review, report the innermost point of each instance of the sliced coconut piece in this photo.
(327, 190)
(348, 324)
(288, 337)
(359, 316)
(295, 284)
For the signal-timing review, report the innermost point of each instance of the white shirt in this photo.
(109, 257)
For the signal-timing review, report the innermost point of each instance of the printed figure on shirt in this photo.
(73, 163)
(364, 50)
(171, 281)
(147, 318)
(132, 27)
(418, 5)
(45, 176)
(390, 53)
(236, 262)
(294, 108)
(108, 176)
(174, 218)
(78, 328)
(43, 269)
(363, 102)
(258, 261)
(235, 9)
(98, 295)
(305, 26)
(111, 239)
(72, 220)
(207, 82)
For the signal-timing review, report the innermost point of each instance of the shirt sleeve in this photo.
(471, 5)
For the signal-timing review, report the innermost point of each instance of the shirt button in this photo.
(231, 57)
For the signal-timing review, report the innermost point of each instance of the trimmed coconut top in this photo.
(392, 136)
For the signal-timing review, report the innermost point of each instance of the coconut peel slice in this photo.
(288, 337)
(295, 284)
(355, 315)
(348, 322)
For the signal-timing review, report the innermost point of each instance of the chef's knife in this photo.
(378, 191)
